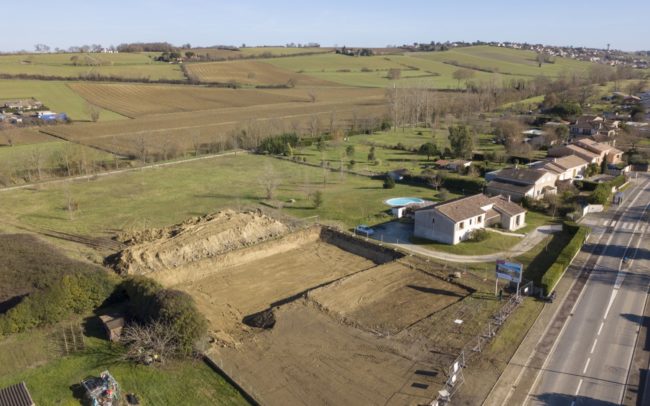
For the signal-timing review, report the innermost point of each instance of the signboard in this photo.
(510, 271)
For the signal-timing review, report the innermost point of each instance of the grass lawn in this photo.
(163, 196)
(56, 95)
(31, 357)
(534, 220)
(494, 243)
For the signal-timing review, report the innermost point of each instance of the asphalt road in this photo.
(590, 361)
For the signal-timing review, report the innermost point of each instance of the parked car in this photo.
(578, 177)
(364, 229)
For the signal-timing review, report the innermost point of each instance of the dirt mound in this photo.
(264, 319)
(194, 240)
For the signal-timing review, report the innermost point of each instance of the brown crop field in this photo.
(250, 72)
(183, 131)
(21, 136)
(344, 319)
(136, 100)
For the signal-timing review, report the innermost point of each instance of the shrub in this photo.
(601, 194)
(75, 293)
(278, 145)
(150, 303)
(563, 260)
(479, 235)
(459, 184)
(389, 182)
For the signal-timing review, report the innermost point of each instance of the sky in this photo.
(64, 23)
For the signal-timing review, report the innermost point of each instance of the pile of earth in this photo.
(194, 240)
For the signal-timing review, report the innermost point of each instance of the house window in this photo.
(470, 222)
(461, 225)
(433, 221)
(517, 220)
(480, 219)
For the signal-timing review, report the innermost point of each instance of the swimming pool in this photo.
(403, 201)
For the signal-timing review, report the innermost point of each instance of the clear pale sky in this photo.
(62, 23)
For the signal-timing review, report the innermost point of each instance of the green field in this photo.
(427, 68)
(51, 378)
(505, 61)
(128, 65)
(169, 195)
(56, 95)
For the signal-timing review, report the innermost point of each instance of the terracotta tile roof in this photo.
(565, 163)
(579, 150)
(509, 187)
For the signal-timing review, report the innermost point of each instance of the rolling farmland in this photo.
(136, 100)
(250, 72)
(56, 95)
(126, 65)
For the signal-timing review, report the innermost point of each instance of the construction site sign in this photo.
(510, 271)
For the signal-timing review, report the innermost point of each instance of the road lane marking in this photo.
(613, 224)
(584, 370)
(578, 388)
(593, 347)
(611, 301)
(605, 223)
(601, 327)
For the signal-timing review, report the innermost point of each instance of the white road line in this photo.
(605, 223)
(628, 225)
(611, 301)
(613, 224)
(584, 370)
(593, 347)
(578, 388)
(601, 327)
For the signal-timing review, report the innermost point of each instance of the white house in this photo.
(517, 183)
(453, 221)
(566, 168)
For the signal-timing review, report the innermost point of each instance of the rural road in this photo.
(397, 233)
(590, 360)
(118, 171)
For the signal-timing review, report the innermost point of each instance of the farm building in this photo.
(113, 324)
(453, 221)
(16, 395)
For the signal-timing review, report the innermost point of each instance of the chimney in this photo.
(508, 197)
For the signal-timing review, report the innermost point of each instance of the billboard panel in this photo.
(510, 271)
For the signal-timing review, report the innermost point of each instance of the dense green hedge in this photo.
(563, 260)
(278, 145)
(463, 184)
(75, 293)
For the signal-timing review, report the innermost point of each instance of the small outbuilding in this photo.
(16, 395)
(113, 324)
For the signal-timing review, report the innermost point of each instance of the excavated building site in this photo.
(309, 314)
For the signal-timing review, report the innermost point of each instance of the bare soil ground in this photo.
(355, 323)
(369, 299)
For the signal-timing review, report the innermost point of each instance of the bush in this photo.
(563, 260)
(389, 182)
(601, 194)
(150, 303)
(479, 235)
(464, 185)
(75, 293)
(278, 145)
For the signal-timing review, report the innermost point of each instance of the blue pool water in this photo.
(403, 201)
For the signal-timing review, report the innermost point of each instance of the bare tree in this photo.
(36, 161)
(312, 97)
(93, 112)
(146, 343)
(463, 74)
(269, 181)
